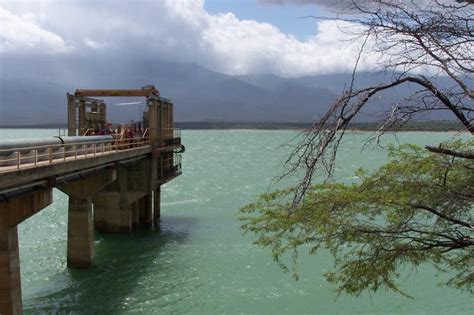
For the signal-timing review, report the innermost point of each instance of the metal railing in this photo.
(170, 136)
(62, 132)
(170, 166)
(176, 133)
(17, 158)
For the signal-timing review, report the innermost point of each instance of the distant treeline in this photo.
(439, 125)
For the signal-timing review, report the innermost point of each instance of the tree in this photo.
(418, 208)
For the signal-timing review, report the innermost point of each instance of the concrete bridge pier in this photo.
(136, 214)
(10, 283)
(146, 210)
(157, 205)
(117, 207)
(112, 210)
(80, 233)
(12, 212)
(142, 215)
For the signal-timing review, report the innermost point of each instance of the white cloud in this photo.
(177, 30)
(22, 34)
(306, 2)
(96, 44)
(248, 46)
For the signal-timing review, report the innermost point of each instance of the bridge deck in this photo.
(14, 168)
(15, 176)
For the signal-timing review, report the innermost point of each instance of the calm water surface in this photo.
(198, 261)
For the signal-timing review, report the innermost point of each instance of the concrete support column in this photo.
(71, 115)
(94, 107)
(100, 213)
(80, 233)
(135, 215)
(161, 125)
(82, 117)
(141, 210)
(157, 204)
(10, 284)
(153, 122)
(12, 213)
(113, 212)
(117, 207)
(147, 210)
(103, 113)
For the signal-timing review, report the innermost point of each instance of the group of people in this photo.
(133, 130)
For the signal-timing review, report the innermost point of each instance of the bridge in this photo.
(112, 177)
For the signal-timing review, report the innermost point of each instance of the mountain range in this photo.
(33, 91)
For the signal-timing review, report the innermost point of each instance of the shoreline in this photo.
(425, 126)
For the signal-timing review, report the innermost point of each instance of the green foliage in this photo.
(418, 208)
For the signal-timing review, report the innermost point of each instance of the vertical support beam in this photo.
(125, 209)
(153, 121)
(93, 123)
(71, 116)
(157, 204)
(161, 123)
(148, 209)
(10, 284)
(170, 125)
(80, 233)
(161, 166)
(103, 113)
(145, 205)
(153, 134)
(112, 212)
(164, 118)
(101, 214)
(168, 121)
(112, 205)
(171, 117)
(12, 213)
(135, 214)
(141, 210)
(82, 117)
(94, 107)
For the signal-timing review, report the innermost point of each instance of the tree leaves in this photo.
(418, 208)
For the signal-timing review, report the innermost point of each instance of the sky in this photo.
(288, 18)
(227, 36)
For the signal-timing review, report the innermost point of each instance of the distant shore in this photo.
(439, 126)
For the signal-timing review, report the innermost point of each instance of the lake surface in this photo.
(198, 261)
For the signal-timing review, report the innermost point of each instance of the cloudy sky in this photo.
(229, 36)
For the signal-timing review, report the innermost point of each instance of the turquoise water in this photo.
(198, 261)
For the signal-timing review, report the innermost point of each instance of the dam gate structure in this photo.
(113, 178)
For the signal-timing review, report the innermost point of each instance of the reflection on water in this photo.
(198, 261)
(141, 263)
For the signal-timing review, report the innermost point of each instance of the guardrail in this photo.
(171, 166)
(177, 133)
(49, 154)
(170, 136)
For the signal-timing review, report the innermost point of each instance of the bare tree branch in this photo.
(464, 155)
(421, 43)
